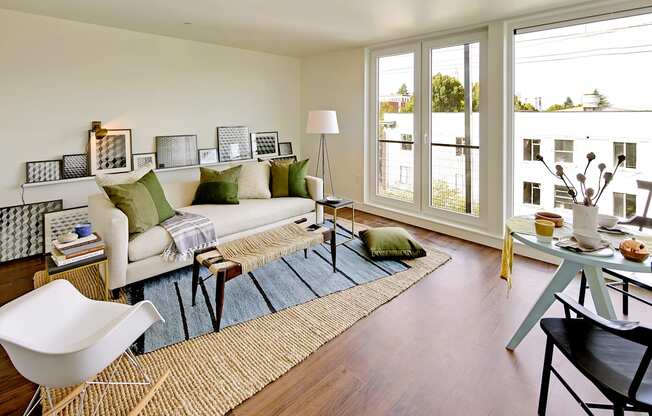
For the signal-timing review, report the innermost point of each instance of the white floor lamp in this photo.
(323, 122)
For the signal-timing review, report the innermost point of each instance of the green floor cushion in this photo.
(289, 179)
(143, 202)
(218, 187)
(391, 242)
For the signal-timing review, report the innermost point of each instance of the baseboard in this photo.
(457, 231)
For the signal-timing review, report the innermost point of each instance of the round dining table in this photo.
(572, 263)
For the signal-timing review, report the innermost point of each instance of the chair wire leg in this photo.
(49, 396)
(82, 397)
(134, 361)
(36, 399)
(104, 391)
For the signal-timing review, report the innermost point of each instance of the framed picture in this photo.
(285, 148)
(176, 151)
(207, 156)
(265, 143)
(75, 166)
(144, 159)
(110, 154)
(60, 222)
(22, 229)
(234, 143)
(42, 171)
(291, 158)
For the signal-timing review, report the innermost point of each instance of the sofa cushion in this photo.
(227, 219)
(218, 187)
(289, 179)
(254, 181)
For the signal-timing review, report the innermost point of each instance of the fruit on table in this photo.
(634, 250)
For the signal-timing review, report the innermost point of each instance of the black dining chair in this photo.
(614, 355)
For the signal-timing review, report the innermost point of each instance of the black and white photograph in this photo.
(75, 166)
(234, 143)
(56, 223)
(176, 151)
(285, 148)
(22, 229)
(265, 143)
(208, 156)
(111, 153)
(42, 171)
(144, 159)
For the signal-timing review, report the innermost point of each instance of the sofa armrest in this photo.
(316, 190)
(112, 225)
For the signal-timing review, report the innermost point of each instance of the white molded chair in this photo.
(56, 337)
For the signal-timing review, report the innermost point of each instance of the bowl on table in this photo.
(556, 219)
(589, 240)
(83, 230)
(607, 221)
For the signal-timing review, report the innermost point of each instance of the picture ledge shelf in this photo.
(88, 178)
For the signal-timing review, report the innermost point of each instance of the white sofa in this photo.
(140, 258)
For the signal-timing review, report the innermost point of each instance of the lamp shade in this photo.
(322, 122)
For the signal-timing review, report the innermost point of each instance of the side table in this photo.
(52, 269)
(336, 205)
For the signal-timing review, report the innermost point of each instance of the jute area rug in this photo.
(215, 372)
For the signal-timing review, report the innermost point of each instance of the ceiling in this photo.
(286, 27)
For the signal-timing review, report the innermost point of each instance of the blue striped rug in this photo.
(284, 283)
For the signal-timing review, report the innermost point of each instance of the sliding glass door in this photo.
(426, 154)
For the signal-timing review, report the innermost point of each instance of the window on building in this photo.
(532, 193)
(624, 204)
(405, 172)
(531, 148)
(627, 149)
(408, 139)
(564, 151)
(562, 199)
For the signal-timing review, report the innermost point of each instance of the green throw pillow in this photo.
(143, 202)
(289, 179)
(391, 242)
(218, 187)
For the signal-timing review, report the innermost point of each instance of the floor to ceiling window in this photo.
(582, 87)
(425, 126)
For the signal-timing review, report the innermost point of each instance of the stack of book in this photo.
(82, 249)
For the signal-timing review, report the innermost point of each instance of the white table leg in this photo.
(562, 277)
(599, 293)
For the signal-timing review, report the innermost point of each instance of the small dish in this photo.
(67, 238)
(556, 219)
(333, 199)
(586, 240)
(607, 221)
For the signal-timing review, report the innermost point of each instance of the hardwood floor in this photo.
(437, 349)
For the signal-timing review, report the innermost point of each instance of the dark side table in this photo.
(336, 205)
(52, 269)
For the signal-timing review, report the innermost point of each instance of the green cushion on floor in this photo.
(391, 242)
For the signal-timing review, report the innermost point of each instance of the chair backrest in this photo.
(631, 331)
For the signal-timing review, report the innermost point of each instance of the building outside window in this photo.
(564, 151)
(624, 204)
(407, 138)
(532, 193)
(627, 149)
(404, 173)
(562, 199)
(531, 148)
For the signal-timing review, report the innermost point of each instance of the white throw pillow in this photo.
(254, 181)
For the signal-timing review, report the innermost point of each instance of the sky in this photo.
(613, 56)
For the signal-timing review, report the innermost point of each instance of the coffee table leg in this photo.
(195, 280)
(219, 298)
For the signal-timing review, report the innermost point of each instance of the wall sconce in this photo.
(96, 127)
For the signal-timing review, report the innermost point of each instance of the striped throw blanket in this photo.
(189, 232)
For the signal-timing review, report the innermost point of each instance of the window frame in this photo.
(626, 151)
(571, 152)
(532, 154)
(533, 186)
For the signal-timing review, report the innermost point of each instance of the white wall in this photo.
(57, 75)
(335, 81)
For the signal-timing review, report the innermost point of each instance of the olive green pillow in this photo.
(391, 242)
(143, 202)
(289, 179)
(218, 187)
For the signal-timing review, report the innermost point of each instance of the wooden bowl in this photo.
(557, 219)
(634, 250)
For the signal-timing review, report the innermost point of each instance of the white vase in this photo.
(585, 218)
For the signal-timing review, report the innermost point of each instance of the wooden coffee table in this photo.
(225, 270)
